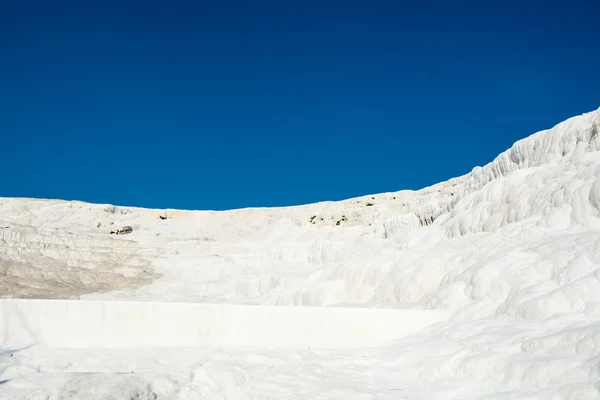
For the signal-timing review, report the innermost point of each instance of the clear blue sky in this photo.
(223, 104)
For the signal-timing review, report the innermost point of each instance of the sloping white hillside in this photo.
(511, 249)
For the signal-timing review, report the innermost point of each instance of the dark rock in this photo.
(125, 231)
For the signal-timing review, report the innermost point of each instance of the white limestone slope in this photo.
(512, 249)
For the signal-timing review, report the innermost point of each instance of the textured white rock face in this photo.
(511, 249)
(48, 262)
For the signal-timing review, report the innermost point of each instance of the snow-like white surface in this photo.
(511, 249)
(123, 324)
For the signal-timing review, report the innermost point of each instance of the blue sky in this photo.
(218, 105)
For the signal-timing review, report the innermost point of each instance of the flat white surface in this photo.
(511, 249)
(112, 324)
